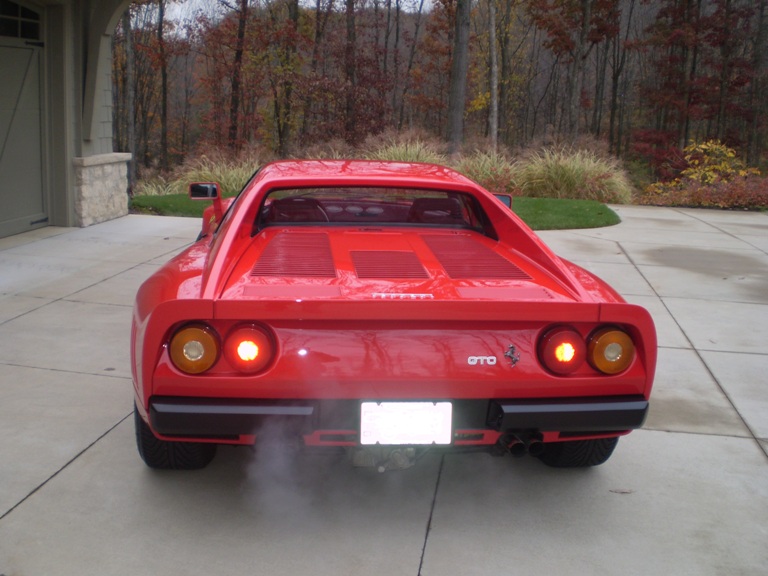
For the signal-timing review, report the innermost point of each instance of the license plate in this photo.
(396, 423)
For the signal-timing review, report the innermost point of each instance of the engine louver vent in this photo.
(387, 264)
(462, 257)
(290, 254)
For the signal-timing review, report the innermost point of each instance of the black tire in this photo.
(163, 455)
(578, 453)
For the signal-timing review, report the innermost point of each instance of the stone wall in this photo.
(101, 188)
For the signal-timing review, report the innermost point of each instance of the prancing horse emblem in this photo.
(513, 355)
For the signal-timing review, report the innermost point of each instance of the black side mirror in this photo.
(204, 190)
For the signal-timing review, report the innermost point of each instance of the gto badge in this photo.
(513, 355)
(482, 360)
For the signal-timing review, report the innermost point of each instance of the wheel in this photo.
(578, 453)
(164, 455)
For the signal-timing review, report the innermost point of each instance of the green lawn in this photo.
(538, 213)
(562, 214)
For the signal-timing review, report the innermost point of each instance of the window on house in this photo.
(18, 22)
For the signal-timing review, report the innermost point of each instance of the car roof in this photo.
(363, 170)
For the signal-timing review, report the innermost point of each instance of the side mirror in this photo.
(208, 191)
(505, 199)
(204, 190)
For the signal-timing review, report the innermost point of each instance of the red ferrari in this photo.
(384, 307)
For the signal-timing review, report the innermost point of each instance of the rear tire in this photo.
(578, 453)
(163, 455)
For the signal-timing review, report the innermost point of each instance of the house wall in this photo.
(84, 180)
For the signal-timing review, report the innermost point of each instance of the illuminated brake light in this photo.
(565, 352)
(249, 349)
(562, 350)
(610, 350)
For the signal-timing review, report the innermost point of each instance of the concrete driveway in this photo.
(686, 495)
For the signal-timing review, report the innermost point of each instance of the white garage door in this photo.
(22, 198)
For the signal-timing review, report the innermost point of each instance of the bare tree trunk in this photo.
(459, 67)
(234, 103)
(493, 116)
(756, 103)
(725, 72)
(350, 72)
(321, 19)
(163, 86)
(411, 56)
(618, 61)
(692, 64)
(396, 56)
(601, 65)
(575, 81)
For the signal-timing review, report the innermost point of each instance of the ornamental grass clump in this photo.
(230, 172)
(409, 146)
(415, 151)
(491, 170)
(575, 174)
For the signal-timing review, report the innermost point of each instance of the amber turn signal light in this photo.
(194, 349)
(610, 350)
(249, 349)
(562, 350)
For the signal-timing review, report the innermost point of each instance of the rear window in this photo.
(370, 206)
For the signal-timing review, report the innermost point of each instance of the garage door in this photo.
(22, 198)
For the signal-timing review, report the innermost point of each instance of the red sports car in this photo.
(387, 308)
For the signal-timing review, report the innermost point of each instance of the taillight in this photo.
(562, 350)
(194, 348)
(249, 348)
(610, 350)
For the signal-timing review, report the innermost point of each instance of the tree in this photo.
(163, 60)
(493, 114)
(573, 28)
(241, 12)
(459, 68)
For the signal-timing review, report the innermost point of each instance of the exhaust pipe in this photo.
(527, 444)
(536, 448)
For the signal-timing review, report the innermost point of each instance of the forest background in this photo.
(640, 80)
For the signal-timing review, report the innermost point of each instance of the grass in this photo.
(168, 205)
(562, 214)
(538, 213)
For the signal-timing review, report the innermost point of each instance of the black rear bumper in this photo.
(216, 418)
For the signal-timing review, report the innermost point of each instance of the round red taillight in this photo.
(194, 348)
(249, 348)
(610, 350)
(562, 350)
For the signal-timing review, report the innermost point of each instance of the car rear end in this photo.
(325, 335)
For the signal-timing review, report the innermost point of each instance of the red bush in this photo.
(746, 193)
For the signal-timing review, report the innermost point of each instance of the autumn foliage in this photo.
(646, 77)
(714, 177)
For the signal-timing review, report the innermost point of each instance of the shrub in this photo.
(714, 178)
(745, 192)
(713, 161)
(577, 174)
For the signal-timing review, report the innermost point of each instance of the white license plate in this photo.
(406, 423)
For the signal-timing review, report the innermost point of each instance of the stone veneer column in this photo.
(101, 188)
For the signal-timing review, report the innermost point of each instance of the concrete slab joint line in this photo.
(685, 495)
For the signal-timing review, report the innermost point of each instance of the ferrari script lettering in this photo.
(482, 360)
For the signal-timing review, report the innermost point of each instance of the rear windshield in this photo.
(371, 206)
